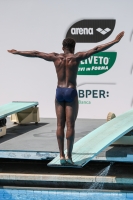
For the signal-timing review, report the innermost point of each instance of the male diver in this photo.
(66, 101)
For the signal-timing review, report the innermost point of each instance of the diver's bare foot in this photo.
(69, 160)
(62, 157)
(63, 160)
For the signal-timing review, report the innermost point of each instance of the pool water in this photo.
(28, 194)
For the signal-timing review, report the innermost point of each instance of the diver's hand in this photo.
(13, 51)
(119, 36)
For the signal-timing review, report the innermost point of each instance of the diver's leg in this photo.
(71, 115)
(60, 112)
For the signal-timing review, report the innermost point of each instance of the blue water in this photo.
(21, 194)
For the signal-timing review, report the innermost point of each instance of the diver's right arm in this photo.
(33, 54)
(84, 55)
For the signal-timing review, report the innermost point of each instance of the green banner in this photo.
(98, 63)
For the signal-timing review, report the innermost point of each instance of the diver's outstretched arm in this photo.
(33, 54)
(85, 55)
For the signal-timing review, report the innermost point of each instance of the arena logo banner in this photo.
(97, 64)
(91, 31)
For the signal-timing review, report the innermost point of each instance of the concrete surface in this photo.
(42, 137)
(37, 142)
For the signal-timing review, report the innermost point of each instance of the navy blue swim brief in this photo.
(65, 94)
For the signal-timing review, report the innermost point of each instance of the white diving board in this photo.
(96, 141)
(15, 107)
(21, 113)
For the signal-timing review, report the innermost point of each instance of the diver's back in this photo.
(66, 68)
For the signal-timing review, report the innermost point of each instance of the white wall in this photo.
(42, 25)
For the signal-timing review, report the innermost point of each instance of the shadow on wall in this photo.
(131, 36)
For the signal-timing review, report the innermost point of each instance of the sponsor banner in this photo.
(91, 31)
(97, 100)
(97, 64)
(86, 94)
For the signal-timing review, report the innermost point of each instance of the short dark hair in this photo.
(69, 43)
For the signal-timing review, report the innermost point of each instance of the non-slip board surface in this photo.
(93, 143)
(14, 107)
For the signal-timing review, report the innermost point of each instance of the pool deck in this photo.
(26, 150)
